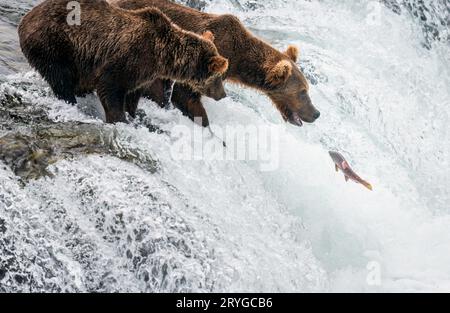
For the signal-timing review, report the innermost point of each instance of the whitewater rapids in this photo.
(382, 84)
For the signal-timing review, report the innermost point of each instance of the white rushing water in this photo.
(107, 225)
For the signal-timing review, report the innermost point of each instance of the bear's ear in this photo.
(218, 64)
(208, 35)
(292, 53)
(279, 73)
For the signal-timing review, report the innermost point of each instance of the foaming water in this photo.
(384, 102)
(107, 225)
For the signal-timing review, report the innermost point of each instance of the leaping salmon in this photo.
(341, 164)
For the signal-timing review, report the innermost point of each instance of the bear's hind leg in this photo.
(62, 84)
(131, 102)
(62, 78)
(58, 69)
(113, 101)
(50, 53)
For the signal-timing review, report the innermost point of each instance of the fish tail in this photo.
(368, 186)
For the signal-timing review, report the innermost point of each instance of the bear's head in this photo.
(187, 57)
(209, 67)
(213, 87)
(289, 89)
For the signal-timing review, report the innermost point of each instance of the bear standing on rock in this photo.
(253, 63)
(114, 52)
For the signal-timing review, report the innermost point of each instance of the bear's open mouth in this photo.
(295, 119)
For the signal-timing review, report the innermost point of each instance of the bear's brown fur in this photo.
(252, 62)
(115, 52)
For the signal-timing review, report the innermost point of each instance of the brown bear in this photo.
(252, 62)
(115, 52)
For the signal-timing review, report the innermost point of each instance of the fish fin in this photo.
(336, 167)
(368, 186)
(346, 178)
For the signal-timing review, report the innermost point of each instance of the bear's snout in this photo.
(307, 111)
(316, 115)
(309, 117)
(214, 89)
(219, 95)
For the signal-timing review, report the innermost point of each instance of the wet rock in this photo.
(251, 5)
(29, 155)
(14, 112)
(432, 16)
(31, 141)
(311, 72)
(195, 4)
(393, 5)
(2, 273)
(27, 158)
(2, 226)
